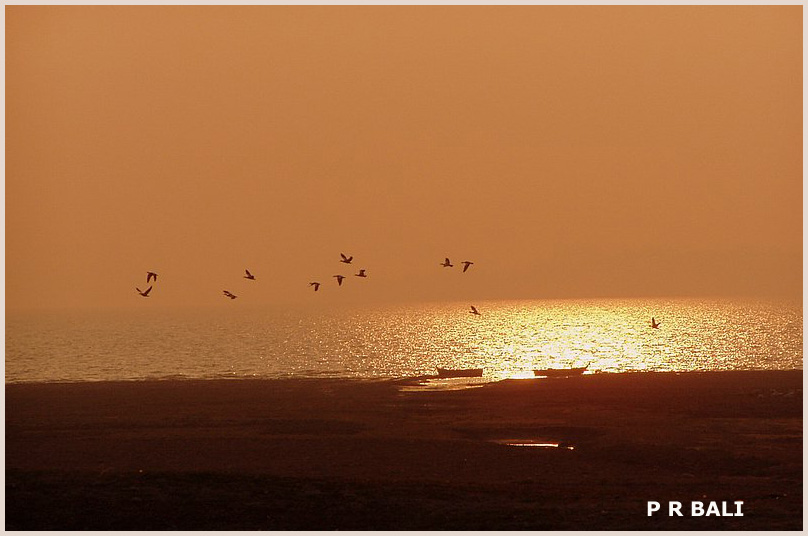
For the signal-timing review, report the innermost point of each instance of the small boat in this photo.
(560, 372)
(460, 373)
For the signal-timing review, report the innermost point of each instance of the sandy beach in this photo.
(372, 455)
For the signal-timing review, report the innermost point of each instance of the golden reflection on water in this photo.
(511, 339)
(508, 340)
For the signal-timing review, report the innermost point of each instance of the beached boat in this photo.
(460, 373)
(560, 372)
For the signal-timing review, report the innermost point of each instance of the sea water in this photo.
(508, 339)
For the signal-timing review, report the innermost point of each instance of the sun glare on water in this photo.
(508, 340)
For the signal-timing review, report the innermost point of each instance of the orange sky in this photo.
(580, 151)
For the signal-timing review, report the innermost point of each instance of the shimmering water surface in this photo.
(509, 339)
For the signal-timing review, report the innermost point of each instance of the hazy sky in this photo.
(580, 151)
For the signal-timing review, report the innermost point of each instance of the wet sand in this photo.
(358, 455)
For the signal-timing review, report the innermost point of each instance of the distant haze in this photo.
(583, 151)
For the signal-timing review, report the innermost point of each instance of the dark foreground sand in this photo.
(336, 454)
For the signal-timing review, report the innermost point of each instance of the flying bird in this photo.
(346, 260)
(654, 323)
(466, 265)
(316, 285)
(229, 294)
(339, 279)
(361, 273)
(150, 275)
(144, 293)
(446, 263)
(474, 310)
(249, 276)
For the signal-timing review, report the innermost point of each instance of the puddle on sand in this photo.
(536, 443)
(446, 384)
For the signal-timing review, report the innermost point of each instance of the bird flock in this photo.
(345, 259)
(340, 278)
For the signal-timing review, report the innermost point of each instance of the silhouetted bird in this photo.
(361, 273)
(144, 293)
(466, 265)
(474, 310)
(150, 275)
(339, 279)
(249, 275)
(229, 294)
(446, 263)
(316, 285)
(654, 323)
(346, 260)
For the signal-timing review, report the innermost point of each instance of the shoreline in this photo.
(385, 379)
(332, 453)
